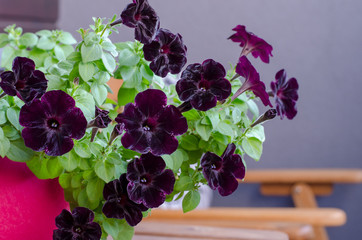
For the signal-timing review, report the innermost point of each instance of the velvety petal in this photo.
(32, 115)
(263, 50)
(290, 89)
(192, 72)
(163, 143)
(111, 209)
(186, 89)
(176, 62)
(93, 231)
(221, 88)
(229, 151)
(57, 102)
(135, 192)
(127, 15)
(23, 67)
(133, 171)
(153, 198)
(64, 220)
(160, 66)
(151, 51)
(7, 83)
(239, 170)
(208, 159)
(74, 123)
(133, 216)
(151, 102)
(203, 101)
(136, 140)
(82, 215)
(212, 70)
(165, 181)
(112, 189)
(101, 118)
(131, 117)
(35, 138)
(172, 121)
(227, 184)
(58, 145)
(36, 86)
(152, 164)
(62, 235)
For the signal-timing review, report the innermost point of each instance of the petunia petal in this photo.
(203, 101)
(64, 220)
(186, 89)
(57, 102)
(165, 181)
(212, 70)
(35, 138)
(172, 121)
(151, 102)
(32, 115)
(82, 215)
(227, 184)
(153, 198)
(7, 83)
(221, 88)
(74, 123)
(163, 143)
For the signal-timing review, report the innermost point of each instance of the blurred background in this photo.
(317, 42)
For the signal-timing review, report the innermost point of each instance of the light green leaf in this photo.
(128, 57)
(175, 160)
(131, 76)
(91, 53)
(87, 70)
(99, 93)
(253, 108)
(7, 57)
(45, 43)
(64, 180)
(13, 117)
(10, 132)
(45, 168)
(189, 142)
(225, 129)
(69, 161)
(74, 57)
(28, 40)
(114, 158)
(257, 132)
(126, 95)
(95, 189)
(84, 100)
(59, 53)
(203, 130)
(236, 115)
(190, 201)
(184, 183)
(3, 40)
(67, 38)
(104, 171)
(118, 229)
(109, 62)
(18, 152)
(253, 147)
(148, 74)
(44, 33)
(4, 143)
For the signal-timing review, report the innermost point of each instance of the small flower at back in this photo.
(151, 125)
(101, 119)
(203, 85)
(268, 115)
(118, 205)
(252, 81)
(51, 123)
(141, 16)
(77, 225)
(167, 53)
(24, 81)
(221, 172)
(251, 44)
(285, 94)
(149, 181)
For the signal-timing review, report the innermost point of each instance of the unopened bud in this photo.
(268, 115)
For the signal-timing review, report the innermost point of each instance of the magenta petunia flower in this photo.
(285, 94)
(251, 44)
(51, 123)
(221, 172)
(203, 85)
(118, 205)
(101, 119)
(149, 181)
(141, 16)
(151, 125)
(24, 81)
(252, 81)
(77, 225)
(167, 53)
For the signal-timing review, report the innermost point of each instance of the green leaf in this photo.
(118, 229)
(148, 74)
(7, 57)
(45, 43)
(225, 129)
(59, 53)
(84, 100)
(18, 152)
(67, 38)
(257, 132)
(104, 170)
(4, 143)
(189, 142)
(191, 115)
(87, 70)
(175, 160)
(13, 117)
(28, 40)
(64, 180)
(253, 108)
(46, 167)
(236, 115)
(126, 95)
(214, 118)
(109, 62)
(99, 93)
(2, 117)
(203, 130)
(76, 181)
(253, 147)
(10, 132)
(91, 53)
(128, 57)
(44, 33)
(131, 76)
(74, 57)
(95, 189)
(114, 158)
(69, 161)
(190, 201)
(185, 183)
(3, 40)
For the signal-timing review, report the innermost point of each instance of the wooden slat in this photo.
(317, 217)
(304, 175)
(286, 189)
(202, 232)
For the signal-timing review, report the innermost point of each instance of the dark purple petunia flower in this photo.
(77, 225)
(252, 81)
(285, 94)
(24, 81)
(118, 205)
(221, 172)
(141, 16)
(151, 125)
(101, 119)
(203, 85)
(167, 53)
(251, 44)
(51, 123)
(149, 181)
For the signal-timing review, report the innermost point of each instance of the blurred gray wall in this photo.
(317, 42)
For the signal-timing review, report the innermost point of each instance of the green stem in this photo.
(104, 30)
(2, 95)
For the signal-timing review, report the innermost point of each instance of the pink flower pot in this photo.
(28, 205)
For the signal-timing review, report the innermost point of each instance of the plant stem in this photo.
(2, 95)
(119, 21)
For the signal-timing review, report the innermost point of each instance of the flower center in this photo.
(216, 166)
(137, 17)
(52, 123)
(164, 49)
(280, 94)
(204, 85)
(20, 84)
(149, 124)
(77, 229)
(145, 179)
